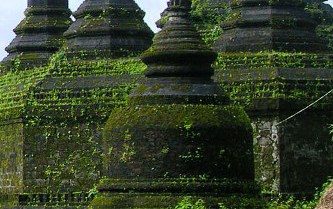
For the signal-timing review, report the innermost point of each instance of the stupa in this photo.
(52, 117)
(269, 25)
(178, 136)
(272, 62)
(90, 77)
(39, 35)
(108, 28)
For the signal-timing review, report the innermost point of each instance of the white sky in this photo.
(11, 13)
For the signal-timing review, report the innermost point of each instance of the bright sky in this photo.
(11, 13)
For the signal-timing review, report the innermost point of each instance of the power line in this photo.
(307, 107)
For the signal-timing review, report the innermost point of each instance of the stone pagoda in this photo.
(258, 25)
(272, 62)
(52, 117)
(108, 28)
(39, 35)
(88, 79)
(178, 136)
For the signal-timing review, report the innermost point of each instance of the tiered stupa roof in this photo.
(108, 27)
(40, 34)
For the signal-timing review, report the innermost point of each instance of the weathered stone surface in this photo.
(274, 85)
(88, 82)
(272, 93)
(108, 28)
(11, 157)
(39, 35)
(326, 201)
(178, 126)
(295, 156)
(65, 106)
(269, 25)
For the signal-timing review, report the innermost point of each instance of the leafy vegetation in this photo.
(61, 109)
(276, 201)
(188, 203)
(325, 18)
(208, 18)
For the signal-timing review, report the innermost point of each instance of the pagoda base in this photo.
(169, 193)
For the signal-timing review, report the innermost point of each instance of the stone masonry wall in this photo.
(63, 157)
(11, 157)
(266, 149)
(306, 152)
(295, 156)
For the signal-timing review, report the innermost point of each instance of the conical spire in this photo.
(178, 49)
(108, 27)
(39, 35)
(279, 25)
(178, 59)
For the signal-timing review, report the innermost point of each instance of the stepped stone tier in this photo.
(107, 28)
(271, 62)
(52, 117)
(40, 34)
(178, 136)
(269, 25)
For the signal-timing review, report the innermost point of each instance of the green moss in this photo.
(202, 140)
(171, 116)
(274, 76)
(15, 87)
(272, 59)
(61, 109)
(172, 193)
(169, 201)
(181, 184)
(11, 159)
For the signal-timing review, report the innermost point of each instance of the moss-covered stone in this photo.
(273, 85)
(188, 189)
(108, 28)
(177, 127)
(178, 140)
(52, 119)
(39, 35)
(262, 25)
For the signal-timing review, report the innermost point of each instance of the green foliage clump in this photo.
(208, 16)
(324, 18)
(227, 202)
(291, 203)
(273, 59)
(189, 203)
